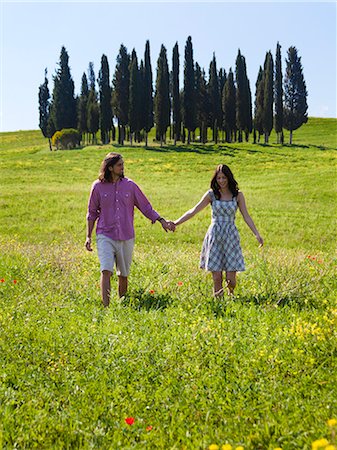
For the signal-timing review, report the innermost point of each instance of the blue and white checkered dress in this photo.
(221, 250)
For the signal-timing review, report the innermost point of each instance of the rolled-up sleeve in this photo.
(93, 203)
(143, 204)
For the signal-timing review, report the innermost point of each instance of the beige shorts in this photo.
(112, 252)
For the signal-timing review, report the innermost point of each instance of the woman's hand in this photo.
(260, 240)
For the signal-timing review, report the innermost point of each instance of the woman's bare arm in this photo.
(249, 221)
(205, 200)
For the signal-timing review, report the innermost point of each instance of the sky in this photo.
(33, 33)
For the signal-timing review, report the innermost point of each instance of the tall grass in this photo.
(257, 372)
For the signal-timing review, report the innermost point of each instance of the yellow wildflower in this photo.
(226, 447)
(239, 448)
(278, 448)
(319, 444)
(213, 447)
(330, 447)
(332, 422)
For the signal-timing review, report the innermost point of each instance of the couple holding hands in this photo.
(111, 203)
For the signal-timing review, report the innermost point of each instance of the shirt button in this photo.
(116, 200)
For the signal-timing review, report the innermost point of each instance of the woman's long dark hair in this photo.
(232, 184)
(110, 160)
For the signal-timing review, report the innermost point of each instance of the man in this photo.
(111, 202)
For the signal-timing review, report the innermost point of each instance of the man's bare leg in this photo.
(122, 285)
(105, 287)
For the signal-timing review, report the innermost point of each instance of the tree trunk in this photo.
(188, 137)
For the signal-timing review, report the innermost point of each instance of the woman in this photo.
(221, 249)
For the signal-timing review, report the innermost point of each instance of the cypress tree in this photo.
(295, 93)
(259, 93)
(92, 105)
(141, 109)
(214, 99)
(268, 96)
(202, 103)
(44, 108)
(105, 100)
(64, 113)
(229, 107)
(83, 107)
(189, 90)
(243, 98)
(134, 97)
(162, 97)
(147, 92)
(222, 81)
(121, 83)
(278, 92)
(176, 108)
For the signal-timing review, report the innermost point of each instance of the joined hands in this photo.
(168, 225)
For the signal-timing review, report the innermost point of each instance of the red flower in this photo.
(180, 283)
(151, 291)
(130, 420)
(149, 428)
(2, 280)
(14, 281)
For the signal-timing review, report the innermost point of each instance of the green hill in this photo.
(257, 371)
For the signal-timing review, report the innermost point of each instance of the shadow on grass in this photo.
(142, 299)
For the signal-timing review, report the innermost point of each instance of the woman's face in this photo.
(222, 180)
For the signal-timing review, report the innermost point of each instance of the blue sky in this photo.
(32, 34)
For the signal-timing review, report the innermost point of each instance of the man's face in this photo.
(118, 168)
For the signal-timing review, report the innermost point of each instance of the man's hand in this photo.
(88, 244)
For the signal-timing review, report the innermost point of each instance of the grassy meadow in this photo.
(169, 367)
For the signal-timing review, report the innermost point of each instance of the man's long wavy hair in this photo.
(110, 160)
(232, 184)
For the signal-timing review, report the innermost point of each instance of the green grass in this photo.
(258, 371)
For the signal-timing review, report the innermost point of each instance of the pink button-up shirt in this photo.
(113, 205)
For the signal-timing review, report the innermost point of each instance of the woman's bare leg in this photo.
(231, 282)
(217, 284)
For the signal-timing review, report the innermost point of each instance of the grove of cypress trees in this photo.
(268, 96)
(278, 96)
(295, 94)
(258, 113)
(64, 104)
(92, 105)
(83, 107)
(147, 92)
(243, 99)
(105, 100)
(121, 82)
(162, 97)
(215, 111)
(176, 109)
(229, 107)
(44, 108)
(189, 118)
